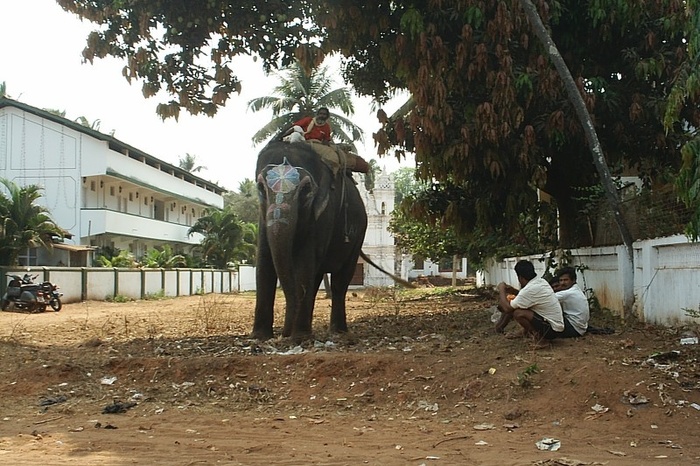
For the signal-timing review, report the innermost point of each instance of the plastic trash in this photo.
(548, 444)
(495, 314)
(689, 341)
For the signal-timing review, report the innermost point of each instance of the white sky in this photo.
(41, 64)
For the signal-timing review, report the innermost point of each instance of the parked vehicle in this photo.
(52, 296)
(23, 293)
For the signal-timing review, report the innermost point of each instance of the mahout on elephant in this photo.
(311, 222)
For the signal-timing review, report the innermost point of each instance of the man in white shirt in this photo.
(574, 304)
(535, 307)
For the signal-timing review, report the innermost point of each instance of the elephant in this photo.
(311, 223)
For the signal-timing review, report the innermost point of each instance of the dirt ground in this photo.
(421, 380)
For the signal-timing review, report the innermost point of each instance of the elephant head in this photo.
(289, 194)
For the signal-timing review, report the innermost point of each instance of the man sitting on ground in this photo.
(535, 307)
(574, 304)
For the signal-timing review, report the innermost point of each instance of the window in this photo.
(383, 208)
(131, 197)
(92, 186)
(111, 190)
(27, 257)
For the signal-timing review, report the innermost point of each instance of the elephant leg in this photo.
(266, 286)
(339, 287)
(290, 314)
(307, 299)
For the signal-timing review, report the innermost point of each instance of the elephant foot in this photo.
(261, 335)
(346, 338)
(339, 328)
(300, 337)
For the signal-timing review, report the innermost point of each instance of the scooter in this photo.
(23, 293)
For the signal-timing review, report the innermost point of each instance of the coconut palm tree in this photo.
(24, 223)
(298, 95)
(163, 258)
(245, 202)
(85, 122)
(226, 238)
(189, 163)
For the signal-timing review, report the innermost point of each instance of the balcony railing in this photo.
(105, 221)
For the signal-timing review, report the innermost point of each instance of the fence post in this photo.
(116, 282)
(3, 282)
(83, 283)
(143, 283)
(177, 282)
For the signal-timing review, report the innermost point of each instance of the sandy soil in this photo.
(421, 379)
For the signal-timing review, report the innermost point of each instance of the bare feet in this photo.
(540, 343)
(543, 345)
(503, 322)
(516, 335)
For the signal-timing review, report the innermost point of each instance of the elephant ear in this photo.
(320, 203)
(323, 193)
(312, 197)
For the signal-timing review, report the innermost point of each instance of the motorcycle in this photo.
(24, 294)
(52, 295)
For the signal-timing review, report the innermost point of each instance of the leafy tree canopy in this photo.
(163, 258)
(23, 222)
(244, 203)
(227, 240)
(189, 163)
(300, 93)
(489, 113)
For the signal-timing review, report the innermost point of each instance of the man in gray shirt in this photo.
(574, 305)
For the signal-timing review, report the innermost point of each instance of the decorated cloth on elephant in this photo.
(317, 132)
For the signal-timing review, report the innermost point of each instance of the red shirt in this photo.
(320, 132)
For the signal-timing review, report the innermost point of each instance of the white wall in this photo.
(97, 283)
(666, 277)
(246, 278)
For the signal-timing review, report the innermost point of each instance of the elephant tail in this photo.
(398, 280)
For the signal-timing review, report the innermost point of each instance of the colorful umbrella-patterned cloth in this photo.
(282, 178)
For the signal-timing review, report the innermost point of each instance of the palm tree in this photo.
(55, 111)
(113, 258)
(3, 90)
(226, 238)
(85, 122)
(298, 95)
(24, 223)
(163, 258)
(244, 203)
(189, 163)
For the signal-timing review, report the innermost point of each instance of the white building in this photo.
(101, 190)
(379, 244)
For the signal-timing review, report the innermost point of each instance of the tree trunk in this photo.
(593, 142)
(454, 270)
